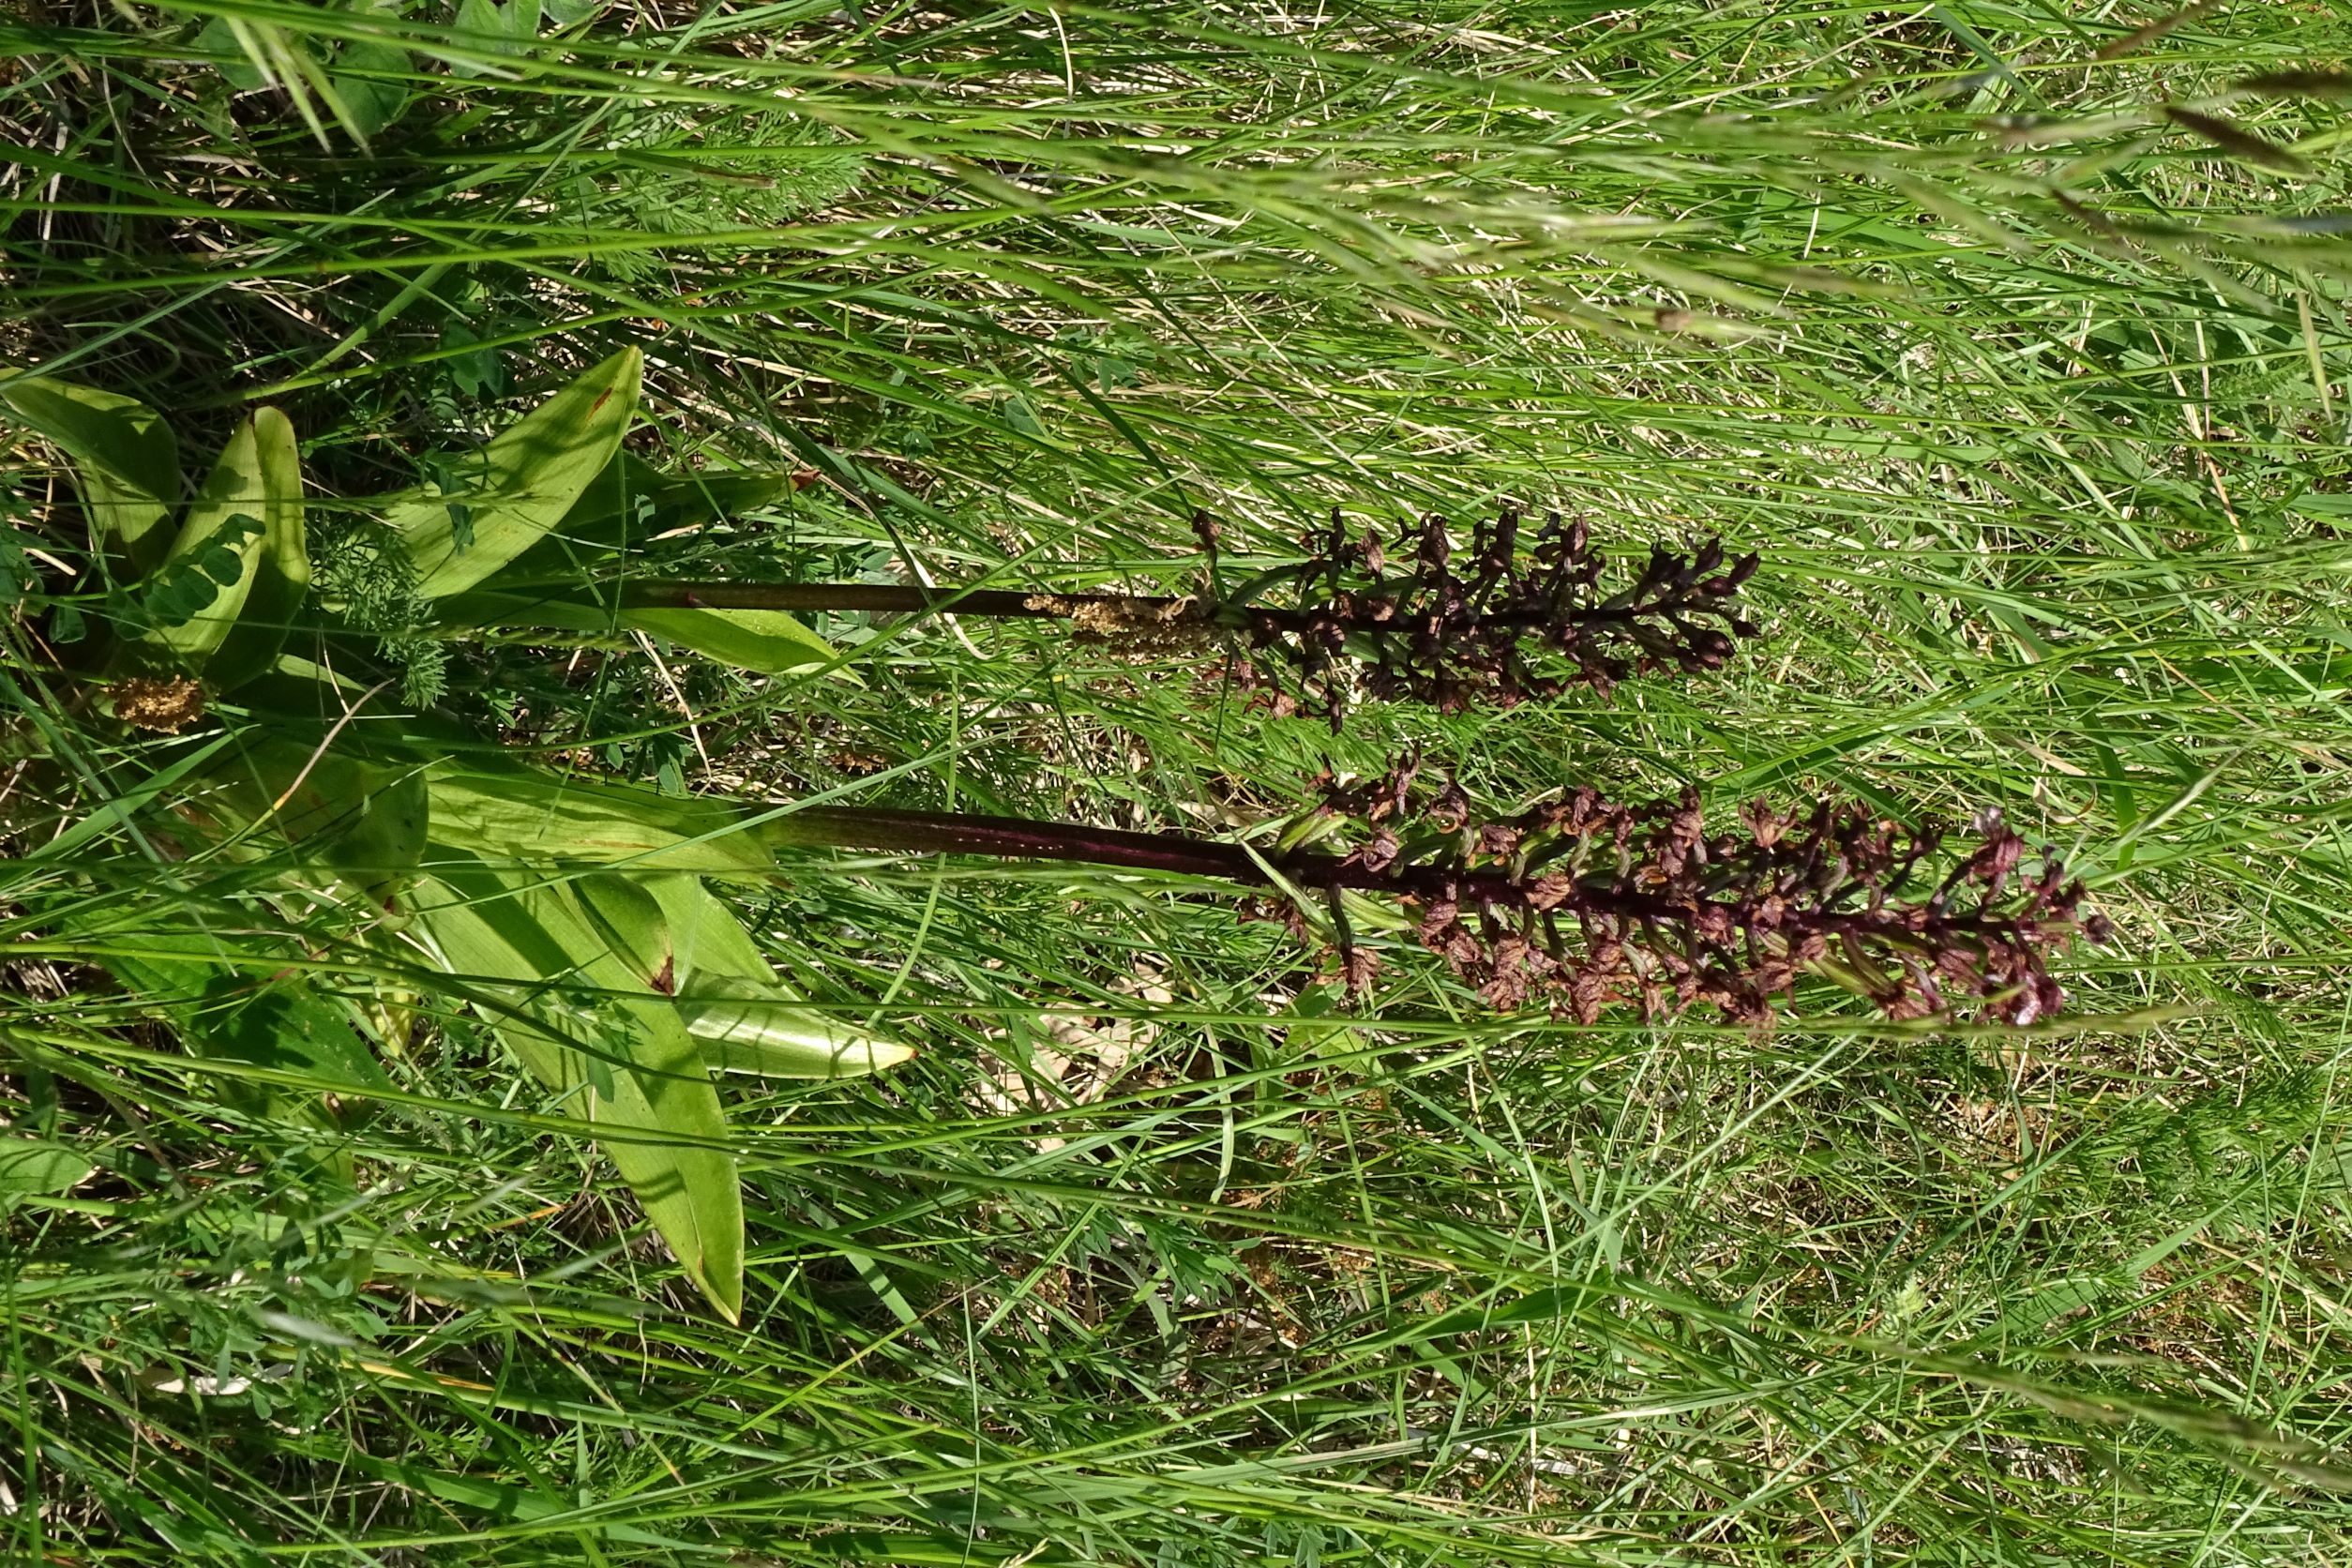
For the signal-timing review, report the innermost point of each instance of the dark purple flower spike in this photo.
(1583, 902)
(1490, 626)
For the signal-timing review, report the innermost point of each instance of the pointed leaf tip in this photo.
(497, 502)
(644, 1086)
(124, 457)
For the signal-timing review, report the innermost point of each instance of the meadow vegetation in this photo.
(2012, 340)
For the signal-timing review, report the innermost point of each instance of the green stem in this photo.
(875, 599)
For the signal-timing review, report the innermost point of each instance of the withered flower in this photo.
(164, 704)
(1493, 625)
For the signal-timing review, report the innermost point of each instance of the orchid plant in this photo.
(583, 919)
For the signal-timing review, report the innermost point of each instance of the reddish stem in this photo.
(1027, 838)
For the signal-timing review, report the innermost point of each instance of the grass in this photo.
(2033, 399)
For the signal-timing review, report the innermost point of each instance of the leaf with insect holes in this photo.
(734, 1002)
(252, 497)
(125, 457)
(504, 498)
(620, 1056)
(36, 1168)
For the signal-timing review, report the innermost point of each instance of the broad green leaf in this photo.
(246, 489)
(235, 66)
(124, 455)
(345, 816)
(688, 944)
(365, 78)
(503, 29)
(627, 504)
(631, 924)
(734, 1004)
(497, 1501)
(534, 818)
(569, 609)
(389, 840)
(300, 696)
(281, 570)
(233, 1013)
(35, 1167)
(705, 938)
(643, 1079)
(506, 496)
(244, 1015)
(764, 641)
(765, 1031)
